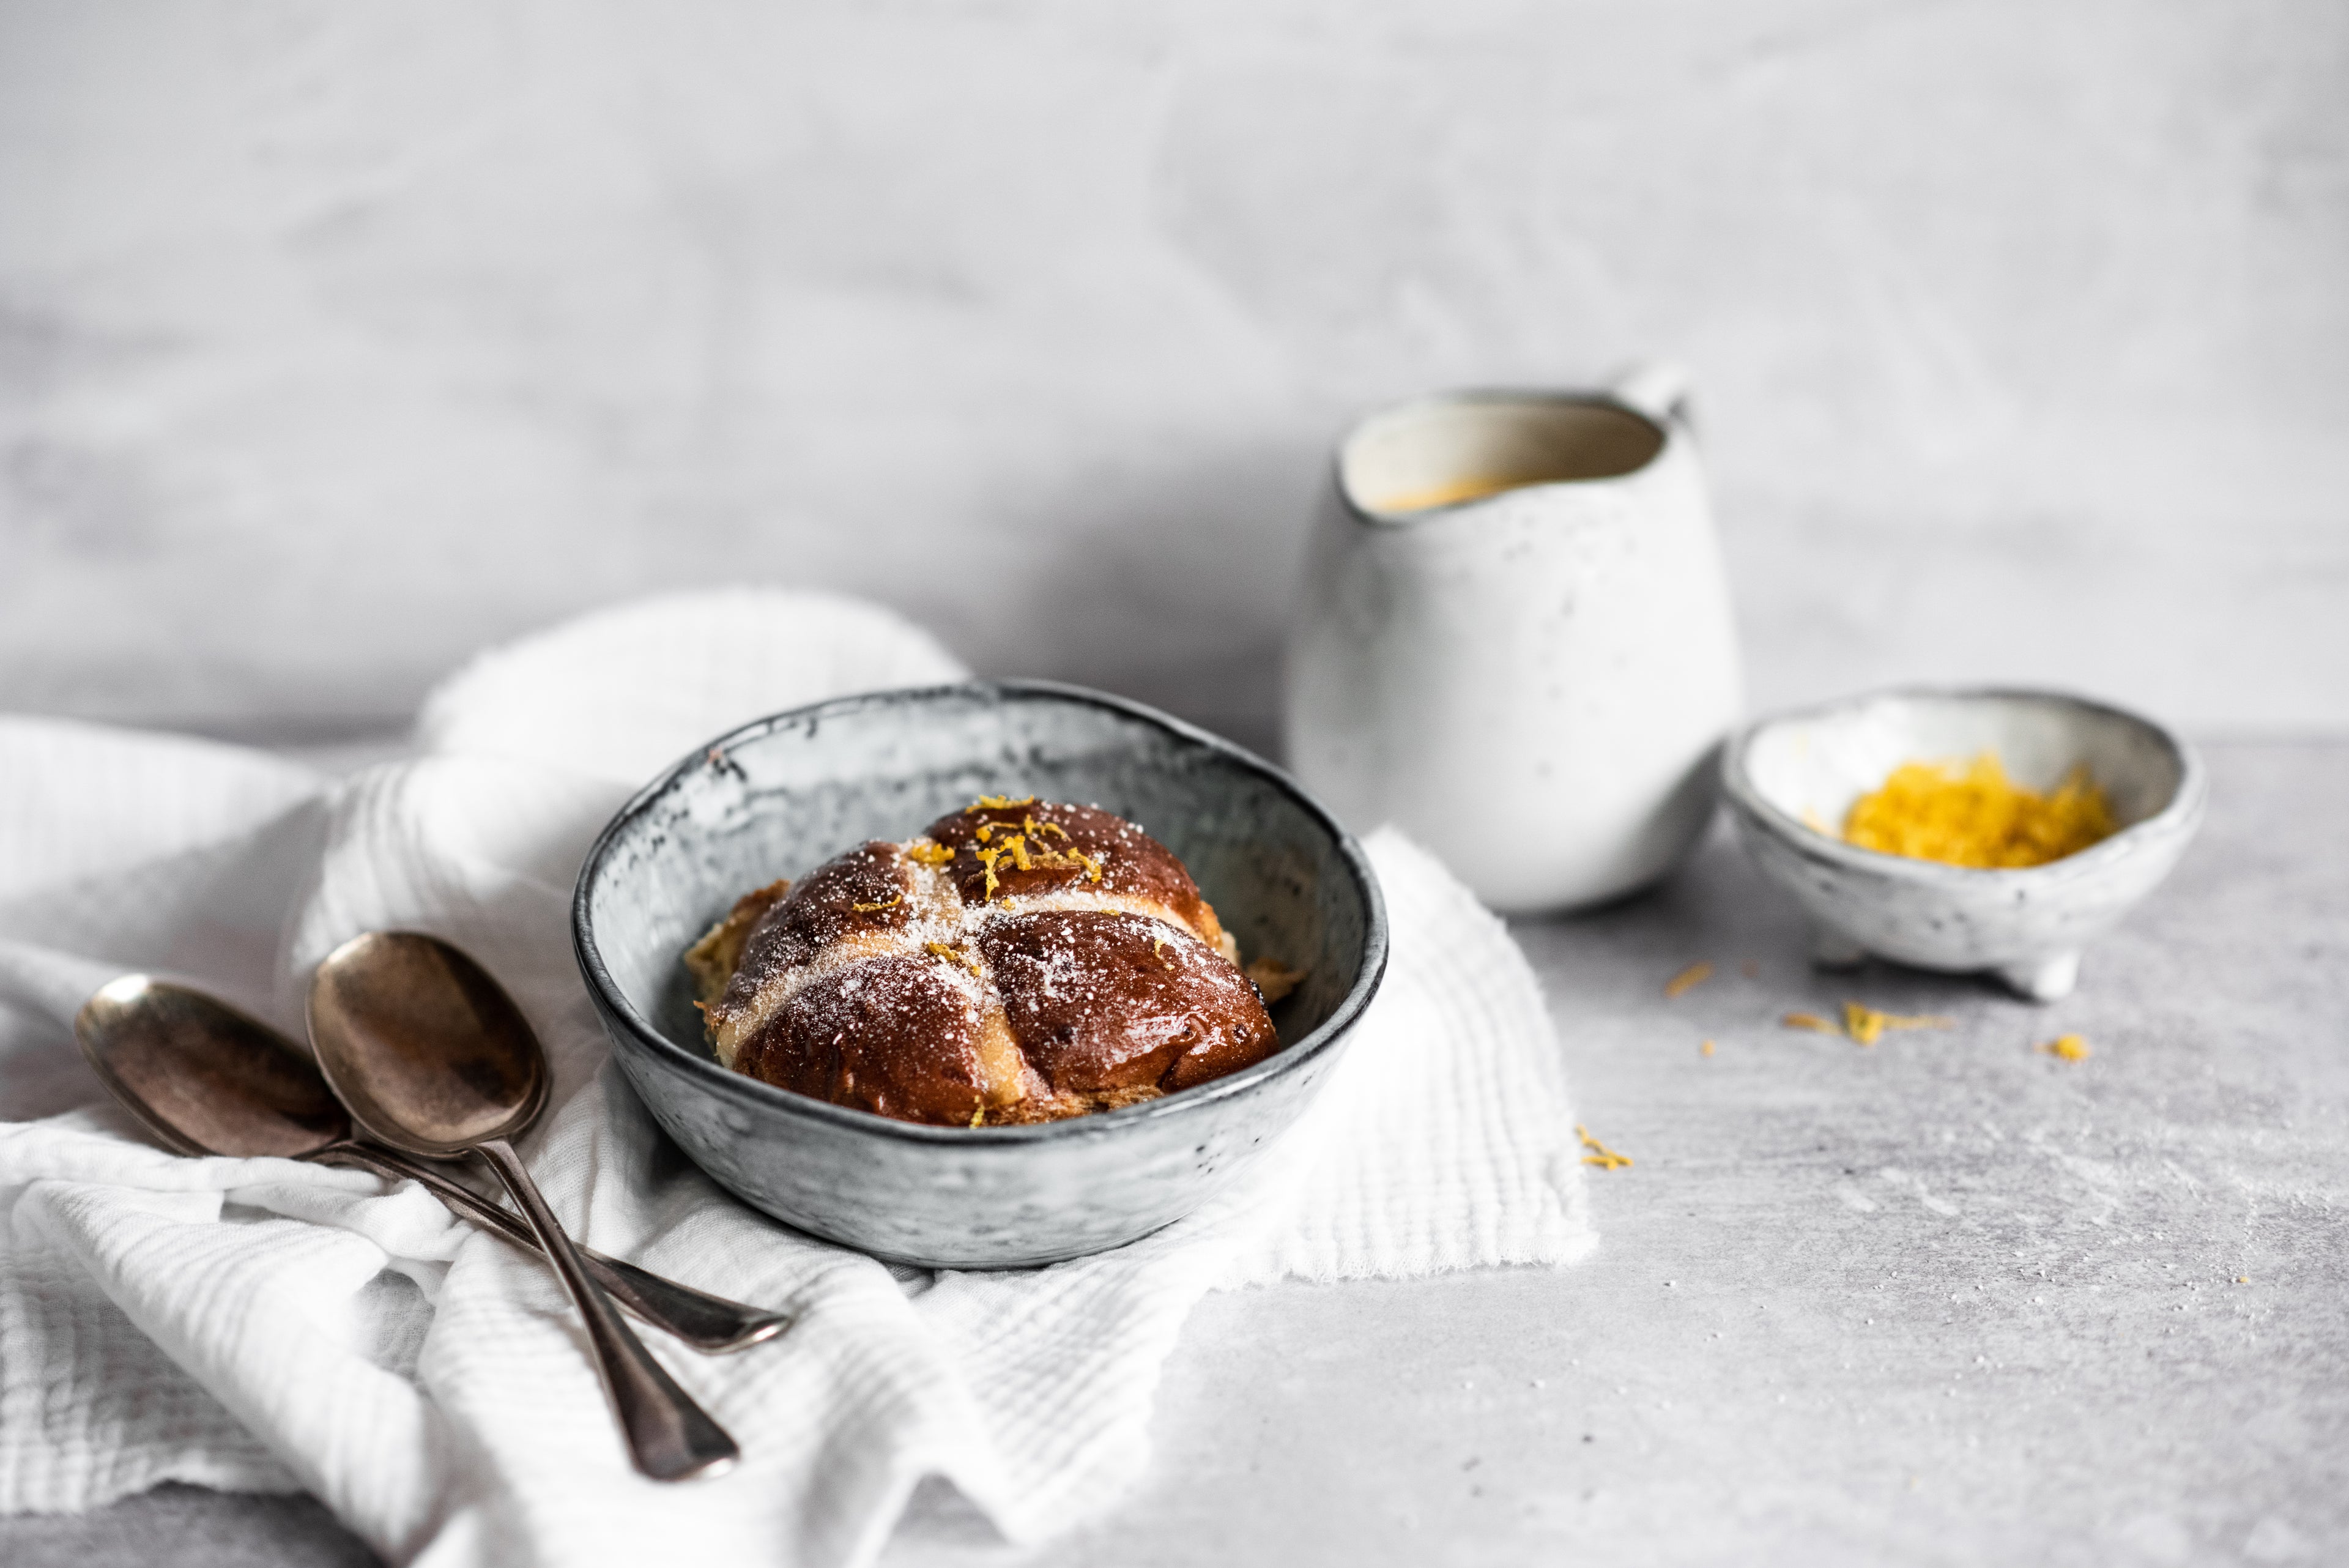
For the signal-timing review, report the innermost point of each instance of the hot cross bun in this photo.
(1020, 961)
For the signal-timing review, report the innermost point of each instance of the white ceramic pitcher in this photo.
(1515, 640)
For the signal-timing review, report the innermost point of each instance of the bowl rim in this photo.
(715, 1077)
(2183, 810)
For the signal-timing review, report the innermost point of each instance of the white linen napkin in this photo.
(267, 1324)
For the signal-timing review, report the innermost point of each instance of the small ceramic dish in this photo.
(781, 796)
(2027, 926)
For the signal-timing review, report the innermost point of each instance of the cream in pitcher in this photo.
(1515, 640)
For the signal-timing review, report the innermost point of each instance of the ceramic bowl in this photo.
(781, 796)
(2028, 927)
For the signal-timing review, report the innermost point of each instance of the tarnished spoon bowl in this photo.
(206, 1079)
(432, 1057)
(203, 1078)
(424, 1045)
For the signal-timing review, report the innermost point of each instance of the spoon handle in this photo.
(670, 1437)
(704, 1320)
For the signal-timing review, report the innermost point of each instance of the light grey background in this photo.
(335, 340)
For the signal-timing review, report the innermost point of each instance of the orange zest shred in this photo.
(1867, 1024)
(1025, 850)
(979, 1116)
(1602, 1156)
(951, 956)
(1974, 815)
(1706, 1048)
(1688, 979)
(2070, 1047)
(1001, 803)
(929, 853)
(1158, 951)
(1863, 1023)
(885, 904)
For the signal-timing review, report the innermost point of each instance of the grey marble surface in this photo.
(1943, 1301)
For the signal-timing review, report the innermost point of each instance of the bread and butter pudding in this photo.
(1018, 962)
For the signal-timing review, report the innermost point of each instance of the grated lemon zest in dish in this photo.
(1867, 1024)
(1809, 1020)
(2070, 1047)
(1706, 1048)
(1688, 979)
(886, 904)
(1602, 1156)
(1973, 814)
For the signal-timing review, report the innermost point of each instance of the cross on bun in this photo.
(1020, 961)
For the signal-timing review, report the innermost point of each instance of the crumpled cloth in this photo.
(266, 1325)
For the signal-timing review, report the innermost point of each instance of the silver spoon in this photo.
(432, 1057)
(205, 1078)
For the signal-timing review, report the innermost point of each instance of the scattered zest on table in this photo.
(2069, 1048)
(1864, 1023)
(1688, 979)
(1602, 1156)
(1867, 1024)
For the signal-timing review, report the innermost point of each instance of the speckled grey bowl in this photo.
(2028, 927)
(781, 796)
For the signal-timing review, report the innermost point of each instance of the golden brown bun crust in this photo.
(1102, 1000)
(859, 894)
(891, 1034)
(1070, 848)
(895, 979)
